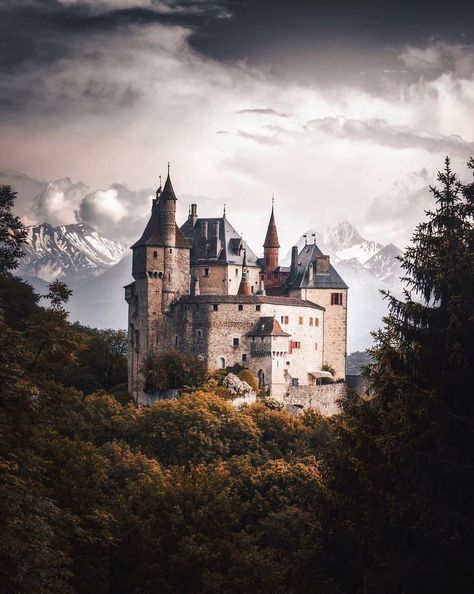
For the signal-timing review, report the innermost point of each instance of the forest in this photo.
(193, 495)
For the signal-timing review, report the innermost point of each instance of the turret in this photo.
(271, 245)
(167, 212)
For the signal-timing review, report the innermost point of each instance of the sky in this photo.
(343, 110)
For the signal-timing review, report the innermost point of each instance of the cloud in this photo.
(58, 202)
(379, 131)
(259, 138)
(396, 212)
(439, 58)
(116, 212)
(108, 98)
(264, 111)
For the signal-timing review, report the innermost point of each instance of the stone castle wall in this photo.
(335, 325)
(323, 399)
(224, 279)
(202, 330)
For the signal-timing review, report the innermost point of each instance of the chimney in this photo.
(322, 264)
(310, 273)
(204, 230)
(261, 284)
(195, 290)
(193, 215)
(294, 262)
(216, 229)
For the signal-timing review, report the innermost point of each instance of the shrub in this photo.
(247, 376)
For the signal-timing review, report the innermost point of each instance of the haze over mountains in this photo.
(96, 269)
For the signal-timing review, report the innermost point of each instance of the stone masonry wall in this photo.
(323, 399)
(335, 326)
(199, 329)
(224, 279)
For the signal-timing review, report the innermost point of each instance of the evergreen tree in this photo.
(12, 232)
(406, 463)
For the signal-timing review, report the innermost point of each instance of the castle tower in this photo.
(271, 245)
(161, 275)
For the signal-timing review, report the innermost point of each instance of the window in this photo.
(295, 344)
(241, 307)
(251, 288)
(284, 319)
(315, 346)
(222, 363)
(316, 321)
(235, 342)
(206, 271)
(171, 251)
(236, 272)
(244, 356)
(199, 333)
(215, 307)
(257, 308)
(295, 381)
(336, 298)
(310, 321)
(176, 341)
(300, 320)
(155, 254)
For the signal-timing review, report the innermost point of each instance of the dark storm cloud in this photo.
(380, 132)
(35, 35)
(311, 41)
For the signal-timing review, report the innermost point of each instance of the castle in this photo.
(200, 289)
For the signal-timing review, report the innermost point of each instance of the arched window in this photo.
(221, 363)
(261, 379)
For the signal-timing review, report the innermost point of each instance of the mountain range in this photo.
(69, 253)
(97, 269)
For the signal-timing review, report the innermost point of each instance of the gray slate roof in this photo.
(249, 299)
(230, 241)
(267, 326)
(331, 280)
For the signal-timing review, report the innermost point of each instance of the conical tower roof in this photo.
(271, 238)
(168, 192)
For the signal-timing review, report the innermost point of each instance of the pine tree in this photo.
(408, 451)
(12, 232)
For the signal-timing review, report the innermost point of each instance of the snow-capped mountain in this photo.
(386, 266)
(367, 267)
(68, 252)
(341, 241)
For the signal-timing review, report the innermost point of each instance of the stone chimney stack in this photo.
(193, 214)
(294, 262)
(195, 290)
(204, 229)
(322, 264)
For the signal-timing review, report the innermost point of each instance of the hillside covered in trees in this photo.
(193, 495)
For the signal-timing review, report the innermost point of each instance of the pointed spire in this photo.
(271, 238)
(168, 192)
(223, 215)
